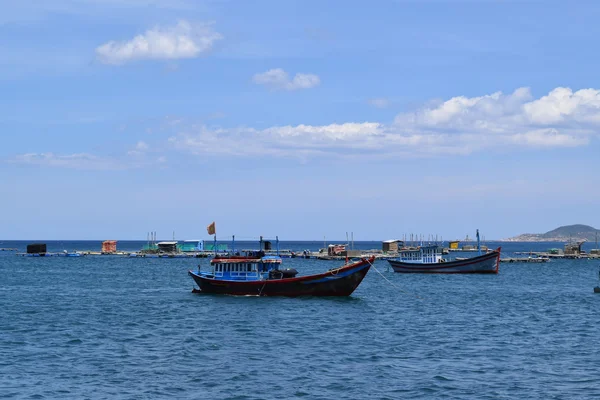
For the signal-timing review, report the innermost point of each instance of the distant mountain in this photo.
(576, 232)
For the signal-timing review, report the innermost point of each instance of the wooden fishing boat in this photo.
(428, 259)
(260, 275)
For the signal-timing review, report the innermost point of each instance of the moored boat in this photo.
(421, 261)
(257, 274)
(428, 259)
(256, 281)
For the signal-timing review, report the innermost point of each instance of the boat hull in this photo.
(337, 282)
(484, 264)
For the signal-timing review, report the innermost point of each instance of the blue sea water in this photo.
(106, 327)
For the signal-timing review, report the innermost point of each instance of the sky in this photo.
(301, 119)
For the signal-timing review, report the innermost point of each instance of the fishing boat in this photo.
(257, 274)
(428, 259)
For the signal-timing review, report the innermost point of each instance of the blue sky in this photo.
(301, 119)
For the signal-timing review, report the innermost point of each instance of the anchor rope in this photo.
(393, 284)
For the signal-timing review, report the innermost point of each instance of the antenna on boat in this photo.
(478, 247)
(277, 243)
(233, 244)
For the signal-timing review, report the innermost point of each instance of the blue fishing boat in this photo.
(258, 274)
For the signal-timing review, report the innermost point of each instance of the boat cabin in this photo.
(245, 268)
(421, 255)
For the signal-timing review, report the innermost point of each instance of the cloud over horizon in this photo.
(458, 126)
(182, 41)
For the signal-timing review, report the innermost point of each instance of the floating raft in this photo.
(118, 253)
(525, 259)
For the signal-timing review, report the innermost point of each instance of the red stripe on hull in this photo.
(339, 282)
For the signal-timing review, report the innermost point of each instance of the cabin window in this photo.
(248, 267)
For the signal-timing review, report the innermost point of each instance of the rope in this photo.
(261, 289)
(393, 284)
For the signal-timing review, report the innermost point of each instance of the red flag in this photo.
(211, 229)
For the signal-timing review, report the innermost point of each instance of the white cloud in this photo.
(560, 119)
(458, 126)
(279, 79)
(137, 158)
(184, 40)
(76, 161)
(562, 105)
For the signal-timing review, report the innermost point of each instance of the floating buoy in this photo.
(597, 289)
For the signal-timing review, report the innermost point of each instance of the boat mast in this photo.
(478, 247)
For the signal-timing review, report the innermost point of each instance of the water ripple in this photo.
(108, 328)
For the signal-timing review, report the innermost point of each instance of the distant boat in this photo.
(428, 259)
(281, 253)
(71, 254)
(257, 274)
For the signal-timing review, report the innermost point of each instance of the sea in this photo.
(115, 327)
